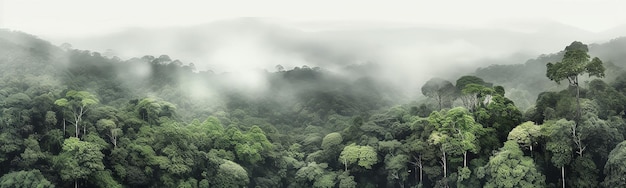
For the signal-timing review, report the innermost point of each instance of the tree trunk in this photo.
(440, 101)
(63, 127)
(443, 160)
(563, 175)
(75, 183)
(421, 169)
(415, 169)
(418, 164)
(76, 127)
(465, 159)
(578, 102)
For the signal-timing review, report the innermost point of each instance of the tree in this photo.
(396, 168)
(615, 167)
(10, 144)
(471, 89)
(77, 103)
(583, 172)
(441, 90)
(326, 181)
(32, 153)
(231, 174)
(150, 109)
(364, 156)
(331, 140)
(467, 79)
(510, 168)
(500, 114)
(311, 173)
(250, 147)
(610, 101)
(111, 128)
(526, 135)
(25, 179)
(79, 160)
(575, 62)
(473, 95)
(559, 144)
(455, 130)
(346, 181)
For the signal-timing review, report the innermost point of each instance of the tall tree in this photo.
(441, 90)
(456, 128)
(473, 95)
(469, 95)
(77, 103)
(575, 62)
(559, 144)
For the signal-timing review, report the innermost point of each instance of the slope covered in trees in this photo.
(71, 118)
(525, 81)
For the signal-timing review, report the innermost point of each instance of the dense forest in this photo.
(76, 118)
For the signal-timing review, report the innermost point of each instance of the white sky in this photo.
(85, 17)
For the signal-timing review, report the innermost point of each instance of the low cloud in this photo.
(405, 55)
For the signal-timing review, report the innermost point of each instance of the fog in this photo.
(404, 55)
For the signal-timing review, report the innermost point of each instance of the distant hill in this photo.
(525, 81)
(403, 53)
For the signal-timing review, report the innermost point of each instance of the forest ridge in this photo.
(76, 118)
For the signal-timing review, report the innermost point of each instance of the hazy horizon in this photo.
(408, 41)
(212, 34)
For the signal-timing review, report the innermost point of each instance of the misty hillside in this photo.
(412, 53)
(298, 90)
(320, 109)
(525, 81)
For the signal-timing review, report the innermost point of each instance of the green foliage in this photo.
(308, 128)
(442, 91)
(364, 156)
(25, 179)
(331, 140)
(559, 141)
(525, 134)
(74, 99)
(311, 173)
(79, 159)
(104, 179)
(615, 168)
(610, 101)
(473, 95)
(151, 109)
(455, 130)
(396, 167)
(346, 181)
(33, 154)
(584, 173)
(463, 81)
(325, 181)
(575, 62)
(230, 174)
(11, 144)
(510, 168)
